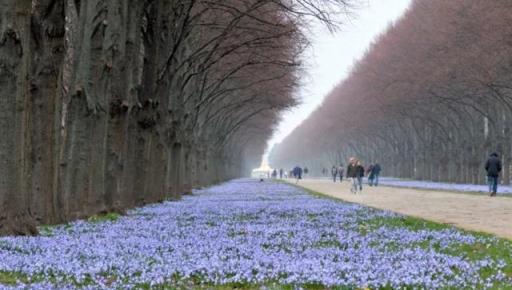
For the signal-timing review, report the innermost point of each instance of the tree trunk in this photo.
(48, 30)
(15, 54)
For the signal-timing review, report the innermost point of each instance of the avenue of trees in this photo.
(110, 104)
(430, 100)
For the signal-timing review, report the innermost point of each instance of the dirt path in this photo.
(472, 212)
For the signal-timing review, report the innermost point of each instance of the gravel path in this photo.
(471, 212)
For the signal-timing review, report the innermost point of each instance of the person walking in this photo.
(352, 173)
(297, 172)
(370, 174)
(340, 172)
(334, 173)
(493, 168)
(376, 172)
(360, 174)
(281, 172)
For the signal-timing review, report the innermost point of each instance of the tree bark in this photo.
(15, 57)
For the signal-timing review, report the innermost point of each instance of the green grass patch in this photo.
(12, 278)
(108, 217)
(407, 222)
(198, 284)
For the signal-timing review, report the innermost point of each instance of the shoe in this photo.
(493, 194)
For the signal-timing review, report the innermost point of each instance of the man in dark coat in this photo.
(493, 168)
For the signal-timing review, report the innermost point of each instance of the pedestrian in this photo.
(360, 174)
(493, 168)
(334, 172)
(341, 170)
(274, 174)
(371, 175)
(281, 172)
(352, 173)
(376, 172)
(306, 170)
(297, 172)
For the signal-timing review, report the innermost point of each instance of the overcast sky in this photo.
(332, 56)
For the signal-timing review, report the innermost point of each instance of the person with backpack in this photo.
(334, 173)
(493, 168)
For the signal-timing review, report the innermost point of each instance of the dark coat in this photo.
(371, 172)
(354, 171)
(334, 171)
(493, 166)
(376, 169)
(360, 171)
(351, 171)
(297, 172)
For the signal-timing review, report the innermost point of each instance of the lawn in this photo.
(250, 235)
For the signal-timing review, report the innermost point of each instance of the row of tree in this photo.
(111, 104)
(430, 99)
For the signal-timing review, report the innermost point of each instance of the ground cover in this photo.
(250, 235)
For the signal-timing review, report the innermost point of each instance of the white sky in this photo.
(332, 57)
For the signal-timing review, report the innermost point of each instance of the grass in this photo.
(494, 248)
(198, 283)
(12, 278)
(49, 230)
(403, 221)
(108, 217)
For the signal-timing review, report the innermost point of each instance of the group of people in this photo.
(355, 173)
(282, 174)
(297, 172)
(337, 172)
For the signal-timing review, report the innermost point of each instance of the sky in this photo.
(332, 56)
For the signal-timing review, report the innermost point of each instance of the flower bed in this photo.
(252, 234)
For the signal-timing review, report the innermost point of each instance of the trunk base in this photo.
(18, 225)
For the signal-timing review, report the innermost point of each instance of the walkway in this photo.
(471, 212)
